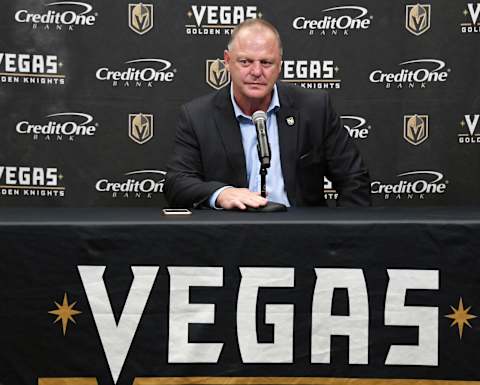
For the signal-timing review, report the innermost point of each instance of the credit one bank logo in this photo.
(412, 74)
(59, 15)
(356, 126)
(412, 185)
(59, 126)
(335, 21)
(143, 72)
(139, 184)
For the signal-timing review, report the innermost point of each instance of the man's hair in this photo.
(255, 23)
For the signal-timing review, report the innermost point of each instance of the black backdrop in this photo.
(431, 159)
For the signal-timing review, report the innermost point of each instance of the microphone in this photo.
(260, 120)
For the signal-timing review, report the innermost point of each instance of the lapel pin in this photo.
(290, 120)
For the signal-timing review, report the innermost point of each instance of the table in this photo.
(311, 296)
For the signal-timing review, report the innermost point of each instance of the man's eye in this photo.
(243, 61)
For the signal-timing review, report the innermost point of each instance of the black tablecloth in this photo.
(43, 251)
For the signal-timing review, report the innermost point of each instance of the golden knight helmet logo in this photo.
(415, 128)
(140, 127)
(140, 17)
(217, 75)
(417, 18)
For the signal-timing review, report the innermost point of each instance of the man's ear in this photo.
(226, 59)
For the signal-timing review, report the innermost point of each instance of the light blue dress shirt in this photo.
(275, 183)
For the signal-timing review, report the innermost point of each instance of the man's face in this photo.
(254, 63)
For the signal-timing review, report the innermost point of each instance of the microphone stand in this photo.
(263, 148)
(271, 206)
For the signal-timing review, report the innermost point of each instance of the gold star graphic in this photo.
(462, 123)
(460, 317)
(65, 312)
(189, 14)
(465, 12)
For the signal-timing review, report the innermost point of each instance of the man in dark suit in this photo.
(214, 163)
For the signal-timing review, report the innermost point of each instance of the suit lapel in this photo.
(288, 126)
(229, 132)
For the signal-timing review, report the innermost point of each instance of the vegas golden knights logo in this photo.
(415, 128)
(140, 17)
(417, 18)
(217, 75)
(140, 127)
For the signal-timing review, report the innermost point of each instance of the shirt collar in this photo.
(274, 103)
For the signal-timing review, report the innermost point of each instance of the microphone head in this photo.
(259, 115)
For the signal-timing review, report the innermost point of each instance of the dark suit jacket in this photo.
(208, 152)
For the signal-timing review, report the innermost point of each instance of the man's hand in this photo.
(239, 198)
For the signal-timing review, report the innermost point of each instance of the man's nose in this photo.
(256, 68)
